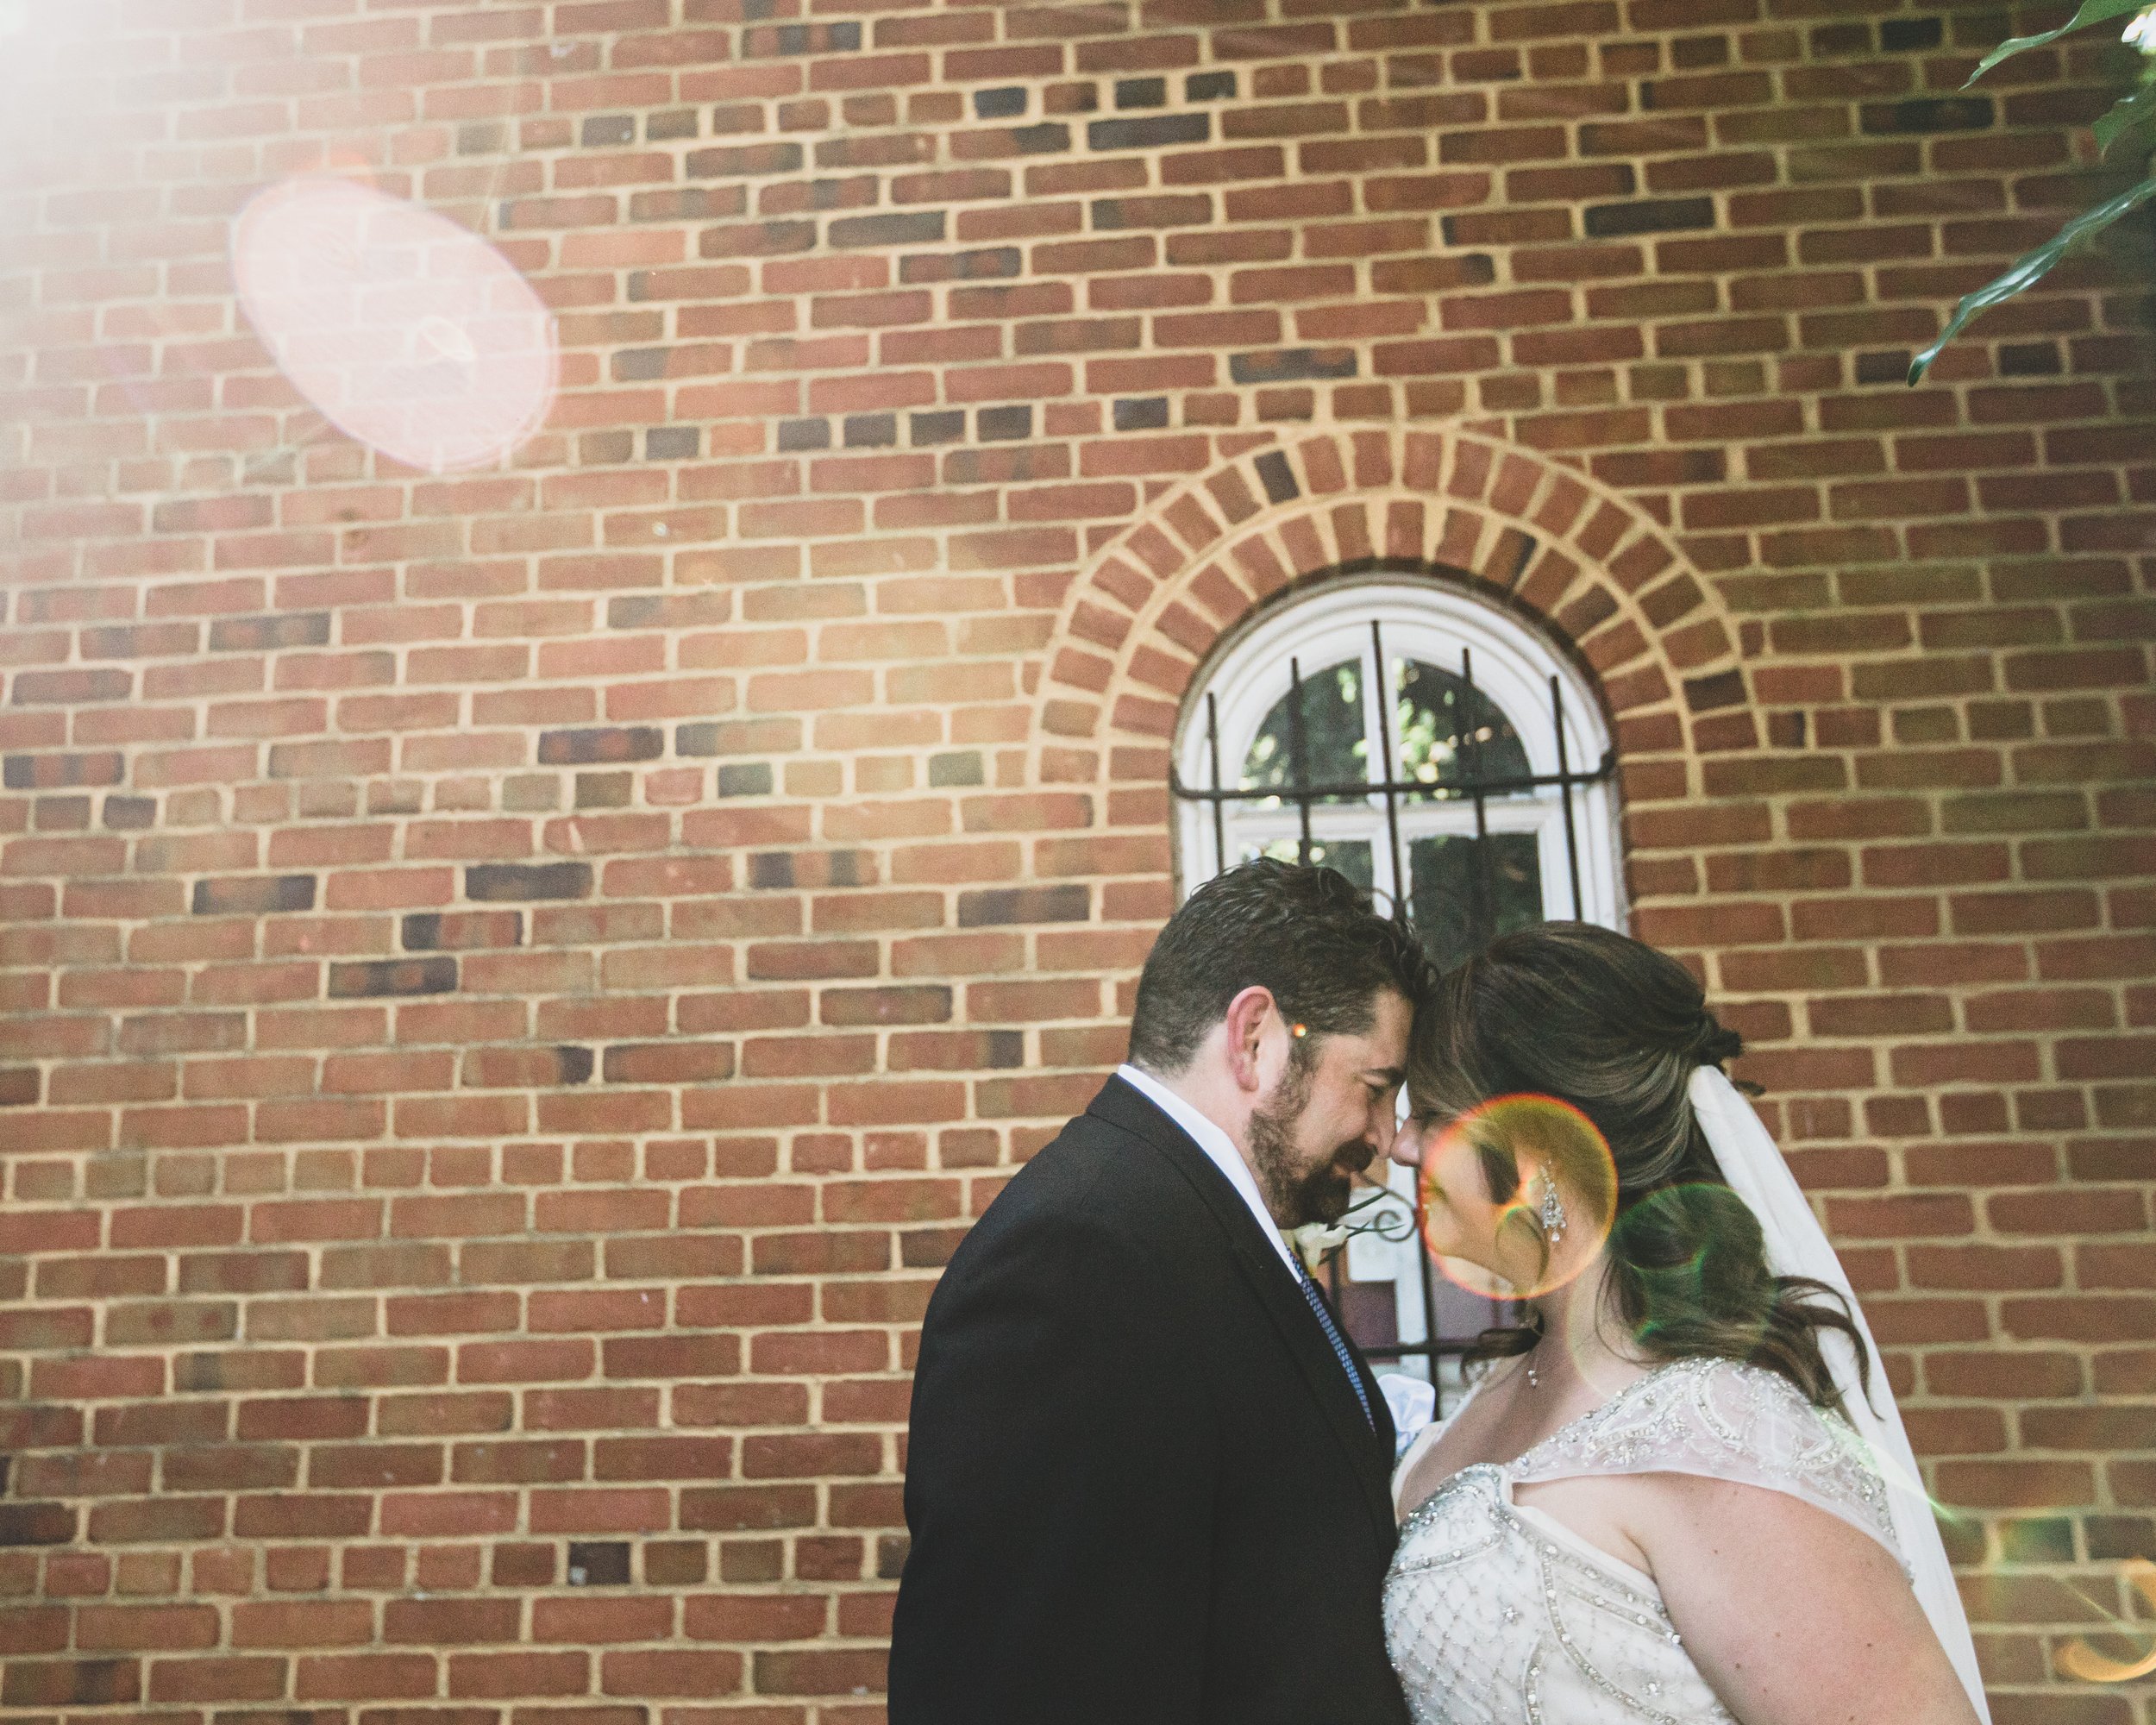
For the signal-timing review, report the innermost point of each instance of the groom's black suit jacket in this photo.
(1139, 1487)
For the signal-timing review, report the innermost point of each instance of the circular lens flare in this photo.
(2078, 1660)
(408, 332)
(1525, 1145)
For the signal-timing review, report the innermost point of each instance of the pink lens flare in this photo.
(1542, 1138)
(409, 333)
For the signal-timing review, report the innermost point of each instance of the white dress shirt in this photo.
(1412, 1402)
(1219, 1150)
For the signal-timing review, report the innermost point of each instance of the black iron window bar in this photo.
(1379, 1210)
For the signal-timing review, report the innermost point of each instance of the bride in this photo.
(1681, 1491)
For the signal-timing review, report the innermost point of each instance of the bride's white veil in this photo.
(1797, 1246)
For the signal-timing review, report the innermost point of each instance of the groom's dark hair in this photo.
(1307, 934)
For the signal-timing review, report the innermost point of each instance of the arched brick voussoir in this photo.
(1603, 577)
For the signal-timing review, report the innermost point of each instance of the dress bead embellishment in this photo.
(1488, 1617)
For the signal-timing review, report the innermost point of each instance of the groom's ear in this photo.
(1253, 1019)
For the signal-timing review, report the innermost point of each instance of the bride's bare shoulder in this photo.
(1789, 1610)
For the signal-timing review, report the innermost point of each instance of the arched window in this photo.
(1428, 744)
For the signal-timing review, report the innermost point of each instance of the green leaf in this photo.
(2026, 271)
(2134, 116)
(2091, 12)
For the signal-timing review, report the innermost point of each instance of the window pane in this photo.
(1351, 856)
(1370, 1311)
(1449, 731)
(1459, 905)
(1335, 748)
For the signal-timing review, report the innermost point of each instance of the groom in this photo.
(1147, 1475)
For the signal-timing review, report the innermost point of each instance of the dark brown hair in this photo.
(1615, 1028)
(1306, 933)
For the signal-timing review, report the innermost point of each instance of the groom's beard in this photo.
(1296, 1193)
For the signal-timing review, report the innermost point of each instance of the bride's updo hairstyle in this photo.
(1615, 1028)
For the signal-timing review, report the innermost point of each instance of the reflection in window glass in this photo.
(1443, 891)
(1335, 748)
(1449, 731)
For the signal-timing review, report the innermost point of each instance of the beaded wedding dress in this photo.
(1496, 1614)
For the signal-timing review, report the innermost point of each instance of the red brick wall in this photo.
(505, 1007)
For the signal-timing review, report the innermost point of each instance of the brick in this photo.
(258, 896)
(361, 979)
(1961, 114)
(1650, 215)
(1023, 905)
(268, 634)
(36, 1524)
(600, 745)
(62, 772)
(497, 882)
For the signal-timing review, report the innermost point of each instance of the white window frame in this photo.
(1431, 622)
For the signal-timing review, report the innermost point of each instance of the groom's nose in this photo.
(1377, 1125)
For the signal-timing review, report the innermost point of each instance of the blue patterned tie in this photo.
(1340, 1348)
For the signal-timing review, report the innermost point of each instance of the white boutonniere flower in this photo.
(1314, 1241)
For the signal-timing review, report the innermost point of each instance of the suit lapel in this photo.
(1274, 1285)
